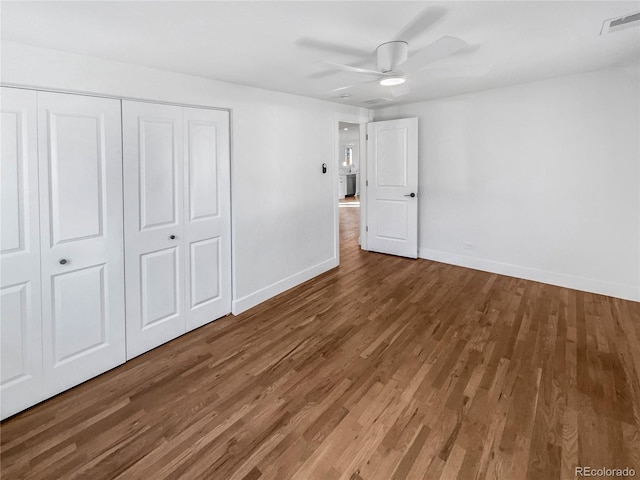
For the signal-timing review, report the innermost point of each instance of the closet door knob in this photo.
(63, 261)
(172, 237)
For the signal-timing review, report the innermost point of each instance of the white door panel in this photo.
(205, 265)
(392, 219)
(392, 166)
(208, 215)
(79, 318)
(391, 157)
(160, 300)
(75, 175)
(80, 159)
(159, 183)
(201, 156)
(20, 304)
(154, 223)
(13, 304)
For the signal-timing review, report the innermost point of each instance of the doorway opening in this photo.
(349, 160)
(350, 206)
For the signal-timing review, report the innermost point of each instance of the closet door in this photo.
(80, 156)
(20, 315)
(154, 199)
(207, 215)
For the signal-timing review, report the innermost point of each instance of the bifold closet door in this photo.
(207, 215)
(154, 204)
(80, 167)
(177, 221)
(20, 311)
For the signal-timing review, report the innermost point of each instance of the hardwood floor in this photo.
(385, 368)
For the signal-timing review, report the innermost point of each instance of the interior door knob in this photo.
(63, 261)
(172, 237)
(411, 195)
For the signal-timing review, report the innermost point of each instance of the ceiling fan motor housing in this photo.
(391, 55)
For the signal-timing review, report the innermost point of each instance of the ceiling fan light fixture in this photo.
(393, 80)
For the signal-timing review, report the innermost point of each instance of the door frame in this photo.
(362, 121)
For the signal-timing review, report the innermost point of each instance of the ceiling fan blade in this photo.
(443, 47)
(326, 73)
(347, 87)
(340, 89)
(322, 74)
(332, 47)
(420, 23)
(348, 68)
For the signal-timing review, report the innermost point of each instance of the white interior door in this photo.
(80, 159)
(20, 315)
(154, 224)
(392, 192)
(207, 215)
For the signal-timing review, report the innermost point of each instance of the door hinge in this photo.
(366, 183)
(367, 136)
(366, 228)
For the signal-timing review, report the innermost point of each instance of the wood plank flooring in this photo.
(385, 368)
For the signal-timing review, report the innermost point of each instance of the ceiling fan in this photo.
(394, 64)
(394, 60)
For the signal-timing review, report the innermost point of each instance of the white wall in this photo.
(283, 206)
(543, 179)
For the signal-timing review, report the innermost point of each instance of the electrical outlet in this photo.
(469, 246)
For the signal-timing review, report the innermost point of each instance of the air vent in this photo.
(620, 23)
(375, 101)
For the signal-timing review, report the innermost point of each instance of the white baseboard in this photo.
(626, 292)
(245, 303)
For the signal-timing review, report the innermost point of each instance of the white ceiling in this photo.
(267, 44)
